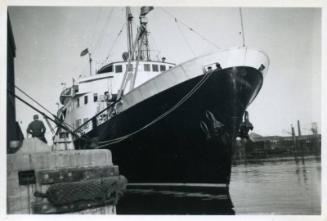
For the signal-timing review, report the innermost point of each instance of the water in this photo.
(272, 186)
(277, 186)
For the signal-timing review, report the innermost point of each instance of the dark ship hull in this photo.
(177, 149)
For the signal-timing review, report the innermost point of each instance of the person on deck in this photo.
(37, 129)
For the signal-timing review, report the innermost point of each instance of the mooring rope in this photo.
(56, 120)
(44, 108)
(178, 104)
(27, 95)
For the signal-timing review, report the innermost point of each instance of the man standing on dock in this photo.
(37, 129)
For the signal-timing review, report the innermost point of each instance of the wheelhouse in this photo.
(143, 66)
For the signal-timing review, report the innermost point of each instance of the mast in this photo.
(145, 50)
(129, 18)
(299, 128)
(139, 42)
(146, 44)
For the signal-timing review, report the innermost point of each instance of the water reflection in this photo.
(176, 200)
(288, 185)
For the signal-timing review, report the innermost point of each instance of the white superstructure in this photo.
(89, 95)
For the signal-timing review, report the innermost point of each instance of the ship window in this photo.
(63, 135)
(162, 67)
(85, 99)
(86, 125)
(95, 97)
(146, 67)
(106, 95)
(129, 67)
(105, 69)
(170, 67)
(78, 123)
(77, 102)
(75, 88)
(118, 68)
(155, 67)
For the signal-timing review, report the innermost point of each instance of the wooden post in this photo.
(294, 141)
(299, 145)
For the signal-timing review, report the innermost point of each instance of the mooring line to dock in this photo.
(179, 103)
(55, 120)
(27, 95)
(44, 108)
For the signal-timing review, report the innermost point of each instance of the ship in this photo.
(165, 123)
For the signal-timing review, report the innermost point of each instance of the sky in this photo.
(49, 41)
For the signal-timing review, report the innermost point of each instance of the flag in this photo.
(85, 51)
(145, 10)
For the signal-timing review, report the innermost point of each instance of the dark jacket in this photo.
(36, 128)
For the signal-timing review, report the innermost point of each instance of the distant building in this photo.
(267, 146)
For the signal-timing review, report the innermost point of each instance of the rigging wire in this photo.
(44, 108)
(156, 48)
(47, 110)
(191, 29)
(185, 39)
(102, 32)
(92, 38)
(55, 120)
(95, 42)
(178, 104)
(114, 43)
(242, 27)
(92, 41)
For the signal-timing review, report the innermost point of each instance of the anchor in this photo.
(214, 129)
(245, 127)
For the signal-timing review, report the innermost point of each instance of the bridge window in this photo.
(147, 67)
(170, 67)
(105, 69)
(95, 97)
(162, 67)
(155, 67)
(77, 102)
(85, 99)
(118, 68)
